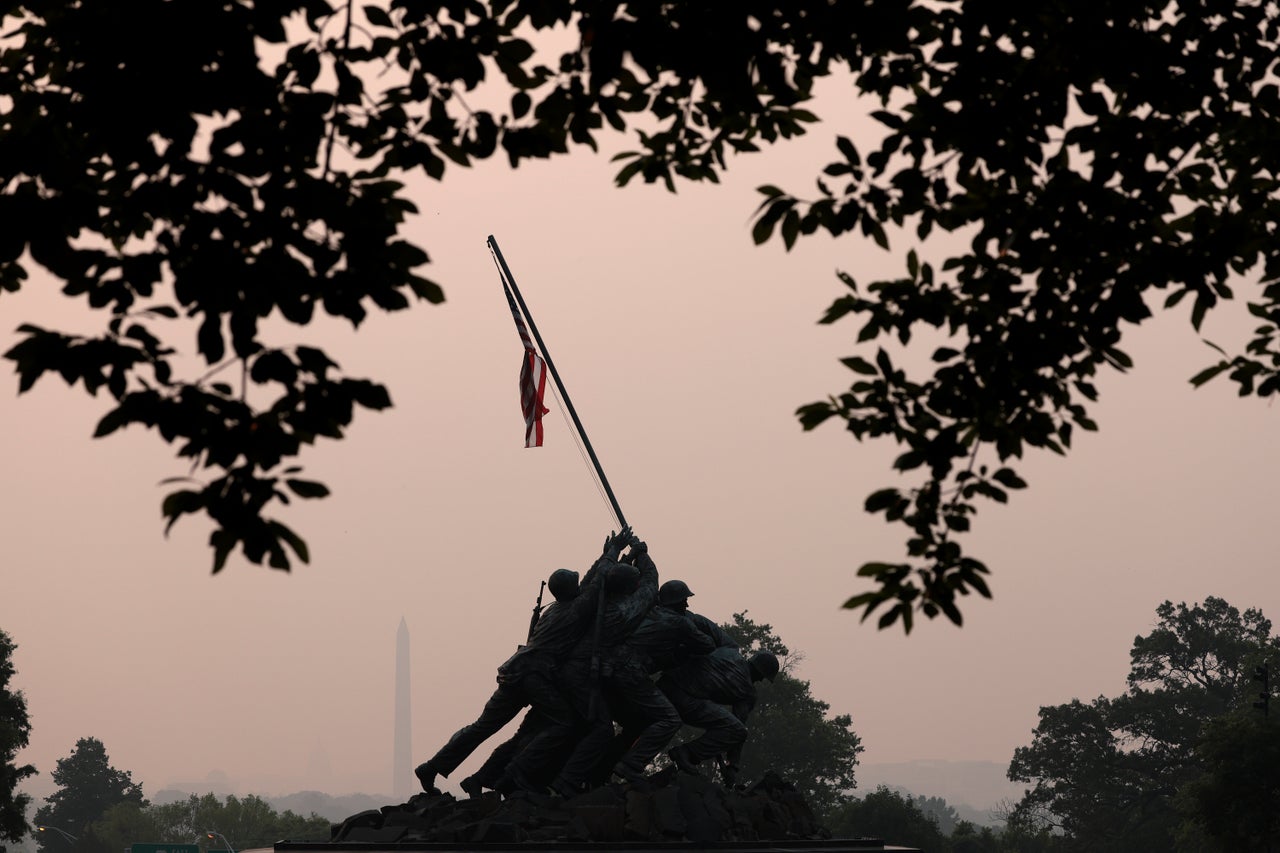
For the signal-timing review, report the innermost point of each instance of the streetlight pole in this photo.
(62, 832)
(212, 835)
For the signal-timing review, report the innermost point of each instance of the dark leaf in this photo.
(307, 488)
(295, 542)
(1006, 477)
(814, 414)
(878, 501)
(377, 16)
(860, 365)
(1209, 372)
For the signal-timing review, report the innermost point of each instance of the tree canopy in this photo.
(792, 732)
(88, 786)
(261, 180)
(1101, 161)
(15, 733)
(1155, 766)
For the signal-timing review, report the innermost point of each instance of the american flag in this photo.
(533, 379)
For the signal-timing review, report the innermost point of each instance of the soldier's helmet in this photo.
(764, 665)
(674, 592)
(563, 584)
(622, 577)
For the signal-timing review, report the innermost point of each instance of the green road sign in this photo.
(164, 848)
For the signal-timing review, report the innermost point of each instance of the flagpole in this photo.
(508, 281)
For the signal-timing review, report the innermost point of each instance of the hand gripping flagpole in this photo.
(509, 284)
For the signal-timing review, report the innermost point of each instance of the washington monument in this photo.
(402, 778)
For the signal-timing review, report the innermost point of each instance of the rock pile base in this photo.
(677, 807)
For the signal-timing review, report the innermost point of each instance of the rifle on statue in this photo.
(537, 611)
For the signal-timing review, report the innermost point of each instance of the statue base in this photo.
(678, 812)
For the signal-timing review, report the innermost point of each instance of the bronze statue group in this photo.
(610, 672)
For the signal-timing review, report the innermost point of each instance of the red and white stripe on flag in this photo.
(533, 383)
(533, 379)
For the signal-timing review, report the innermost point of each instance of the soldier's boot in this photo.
(565, 789)
(426, 774)
(633, 777)
(683, 761)
(514, 779)
(472, 786)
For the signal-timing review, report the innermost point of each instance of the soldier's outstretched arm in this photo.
(717, 634)
(695, 641)
(639, 557)
(614, 544)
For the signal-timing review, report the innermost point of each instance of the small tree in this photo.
(1023, 836)
(791, 730)
(942, 813)
(88, 786)
(128, 823)
(15, 732)
(967, 837)
(889, 816)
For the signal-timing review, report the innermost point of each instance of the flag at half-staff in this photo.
(533, 379)
(533, 372)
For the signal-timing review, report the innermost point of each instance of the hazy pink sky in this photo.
(686, 351)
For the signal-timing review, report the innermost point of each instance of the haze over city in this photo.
(686, 350)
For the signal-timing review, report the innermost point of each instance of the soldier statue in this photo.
(716, 693)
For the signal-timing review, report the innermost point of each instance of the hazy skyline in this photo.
(686, 351)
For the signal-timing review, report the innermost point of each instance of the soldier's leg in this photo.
(646, 700)
(560, 727)
(596, 727)
(501, 709)
(630, 724)
(496, 764)
(722, 729)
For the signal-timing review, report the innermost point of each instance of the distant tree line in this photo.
(242, 821)
(99, 809)
(930, 824)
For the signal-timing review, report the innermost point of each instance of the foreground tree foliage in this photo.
(792, 732)
(15, 733)
(1235, 801)
(1173, 763)
(256, 181)
(88, 787)
(1101, 159)
(1091, 155)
